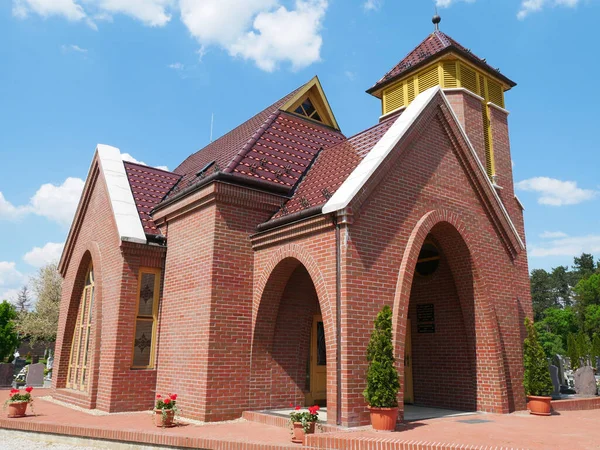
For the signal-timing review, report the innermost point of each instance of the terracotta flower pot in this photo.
(17, 409)
(299, 434)
(165, 420)
(383, 419)
(539, 406)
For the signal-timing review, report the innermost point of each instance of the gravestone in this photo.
(585, 381)
(555, 382)
(19, 363)
(35, 359)
(7, 372)
(559, 362)
(49, 364)
(35, 375)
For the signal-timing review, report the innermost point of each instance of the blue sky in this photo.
(146, 75)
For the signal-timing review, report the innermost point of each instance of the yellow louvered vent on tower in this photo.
(393, 99)
(495, 94)
(429, 79)
(468, 78)
(450, 75)
(411, 90)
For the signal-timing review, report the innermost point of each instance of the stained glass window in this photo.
(146, 318)
(321, 353)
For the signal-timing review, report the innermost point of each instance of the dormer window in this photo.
(307, 109)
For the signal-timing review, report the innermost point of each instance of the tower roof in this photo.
(433, 46)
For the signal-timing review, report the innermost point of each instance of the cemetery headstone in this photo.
(7, 372)
(35, 375)
(555, 382)
(585, 381)
(560, 364)
(49, 364)
(19, 363)
(35, 359)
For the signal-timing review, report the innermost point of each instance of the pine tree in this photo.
(382, 376)
(572, 351)
(595, 350)
(536, 379)
(9, 339)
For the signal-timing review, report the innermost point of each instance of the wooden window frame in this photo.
(85, 329)
(154, 318)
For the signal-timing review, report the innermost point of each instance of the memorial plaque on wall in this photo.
(425, 318)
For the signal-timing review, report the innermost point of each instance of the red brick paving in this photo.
(567, 430)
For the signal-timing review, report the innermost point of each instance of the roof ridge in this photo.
(444, 38)
(152, 167)
(253, 140)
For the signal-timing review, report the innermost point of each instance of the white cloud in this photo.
(553, 235)
(555, 192)
(69, 9)
(448, 3)
(73, 48)
(40, 256)
(566, 246)
(176, 66)
(150, 12)
(153, 13)
(372, 5)
(127, 157)
(58, 203)
(263, 31)
(9, 275)
(55, 202)
(532, 6)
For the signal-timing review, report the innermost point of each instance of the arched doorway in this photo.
(78, 372)
(440, 360)
(465, 367)
(289, 348)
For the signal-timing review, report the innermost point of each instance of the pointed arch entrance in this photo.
(446, 334)
(292, 340)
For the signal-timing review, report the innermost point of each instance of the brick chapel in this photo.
(248, 278)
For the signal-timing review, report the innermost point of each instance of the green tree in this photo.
(572, 351)
(9, 338)
(541, 292)
(536, 378)
(583, 267)
(382, 376)
(550, 342)
(560, 280)
(560, 322)
(591, 319)
(595, 349)
(587, 291)
(584, 346)
(42, 322)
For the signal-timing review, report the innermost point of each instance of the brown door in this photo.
(318, 364)
(408, 373)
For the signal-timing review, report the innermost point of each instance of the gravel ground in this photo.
(31, 444)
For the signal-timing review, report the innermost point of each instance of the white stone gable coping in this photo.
(367, 167)
(121, 198)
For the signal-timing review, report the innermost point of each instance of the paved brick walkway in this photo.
(567, 430)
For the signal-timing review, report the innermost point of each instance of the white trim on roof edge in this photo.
(367, 167)
(121, 198)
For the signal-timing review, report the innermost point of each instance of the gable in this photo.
(362, 181)
(310, 102)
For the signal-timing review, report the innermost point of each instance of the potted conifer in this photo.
(536, 379)
(382, 388)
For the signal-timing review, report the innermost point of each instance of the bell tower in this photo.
(474, 88)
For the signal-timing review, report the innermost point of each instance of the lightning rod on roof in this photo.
(212, 122)
(436, 20)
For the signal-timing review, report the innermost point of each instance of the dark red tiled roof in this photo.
(149, 186)
(285, 149)
(270, 135)
(433, 44)
(332, 167)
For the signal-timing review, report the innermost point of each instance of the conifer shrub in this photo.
(536, 379)
(572, 352)
(382, 376)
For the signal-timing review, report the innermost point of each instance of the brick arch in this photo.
(487, 345)
(269, 289)
(89, 254)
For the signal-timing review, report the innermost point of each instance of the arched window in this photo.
(77, 376)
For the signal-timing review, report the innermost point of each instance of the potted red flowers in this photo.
(17, 402)
(303, 422)
(165, 410)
